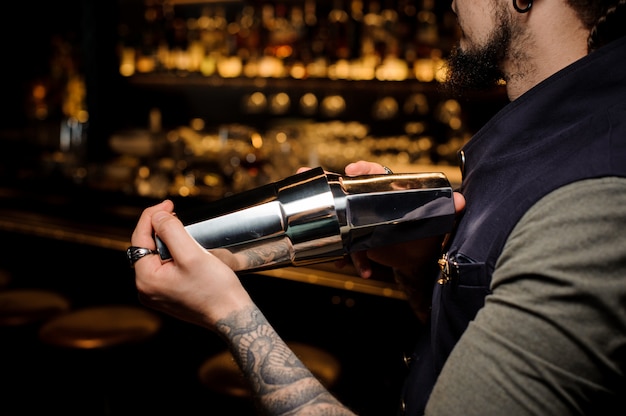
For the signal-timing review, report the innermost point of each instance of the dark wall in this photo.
(43, 42)
(28, 33)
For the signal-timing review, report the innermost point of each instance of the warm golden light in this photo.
(197, 124)
(279, 103)
(127, 62)
(257, 140)
(298, 71)
(308, 103)
(392, 69)
(39, 92)
(424, 70)
(281, 137)
(340, 70)
(208, 66)
(270, 67)
(229, 67)
(143, 172)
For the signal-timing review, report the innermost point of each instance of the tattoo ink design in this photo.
(268, 254)
(280, 382)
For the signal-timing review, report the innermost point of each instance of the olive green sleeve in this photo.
(551, 338)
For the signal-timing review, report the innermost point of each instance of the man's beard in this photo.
(479, 68)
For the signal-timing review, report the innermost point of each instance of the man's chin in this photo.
(467, 73)
(459, 85)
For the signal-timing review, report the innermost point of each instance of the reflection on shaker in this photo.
(315, 216)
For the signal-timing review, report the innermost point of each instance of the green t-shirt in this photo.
(551, 338)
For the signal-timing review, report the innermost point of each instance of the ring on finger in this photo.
(134, 253)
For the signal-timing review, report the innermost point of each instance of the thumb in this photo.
(459, 202)
(172, 232)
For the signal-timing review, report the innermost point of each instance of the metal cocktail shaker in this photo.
(314, 216)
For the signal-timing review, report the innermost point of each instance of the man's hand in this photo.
(195, 286)
(403, 257)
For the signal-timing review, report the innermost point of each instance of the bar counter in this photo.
(91, 218)
(73, 240)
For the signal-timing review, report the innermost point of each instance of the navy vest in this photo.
(570, 127)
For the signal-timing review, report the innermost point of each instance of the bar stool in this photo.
(221, 375)
(100, 327)
(20, 307)
(98, 358)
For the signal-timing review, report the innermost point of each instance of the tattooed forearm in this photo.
(280, 383)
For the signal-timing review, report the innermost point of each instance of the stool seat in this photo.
(221, 374)
(100, 327)
(27, 306)
(96, 357)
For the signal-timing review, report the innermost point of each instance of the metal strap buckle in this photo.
(449, 269)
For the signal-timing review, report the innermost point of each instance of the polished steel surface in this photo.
(117, 238)
(316, 216)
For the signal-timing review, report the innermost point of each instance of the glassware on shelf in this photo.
(342, 39)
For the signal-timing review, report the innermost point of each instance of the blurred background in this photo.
(110, 106)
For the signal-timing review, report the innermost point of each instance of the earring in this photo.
(526, 9)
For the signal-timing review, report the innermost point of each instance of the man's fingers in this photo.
(459, 202)
(142, 234)
(364, 168)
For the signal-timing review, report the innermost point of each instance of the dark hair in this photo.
(606, 20)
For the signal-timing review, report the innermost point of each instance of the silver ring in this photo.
(387, 170)
(135, 253)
